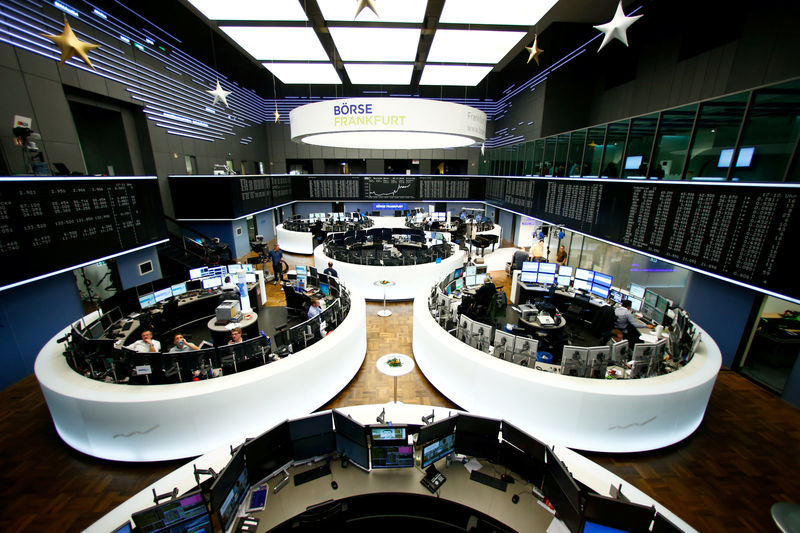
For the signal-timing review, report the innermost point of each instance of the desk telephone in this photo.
(433, 479)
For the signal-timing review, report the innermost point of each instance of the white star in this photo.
(616, 28)
(366, 3)
(534, 50)
(220, 94)
(483, 148)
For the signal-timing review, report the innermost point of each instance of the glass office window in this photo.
(715, 136)
(538, 153)
(769, 135)
(672, 140)
(593, 154)
(576, 144)
(615, 147)
(527, 164)
(549, 154)
(640, 144)
(560, 159)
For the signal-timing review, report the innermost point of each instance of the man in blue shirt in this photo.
(627, 323)
(277, 256)
(314, 309)
(330, 271)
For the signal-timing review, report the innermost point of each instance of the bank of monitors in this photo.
(110, 317)
(312, 436)
(597, 361)
(477, 436)
(573, 360)
(602, 514)
(643, 360)
(390, 447)
(229, 490)
(187, 513)
(563, 492)
(269, 453)
(351, 440)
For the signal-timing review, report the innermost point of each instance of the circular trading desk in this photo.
(586, 414)
(164, 422)
(295, 242)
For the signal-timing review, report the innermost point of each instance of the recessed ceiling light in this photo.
(250, 9)
(472, 46)
(506, 12)
(278, 44)
(379, 73)
(461, 75)
(312, 73)
(405, 11)
(376, 44)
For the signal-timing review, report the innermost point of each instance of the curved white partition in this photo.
(163, 422)
(408, 280)
(586, 414)
(296, 242)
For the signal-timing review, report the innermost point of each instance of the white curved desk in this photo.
(295, 242)
(408, 280)
(585, 414)
(164, 422)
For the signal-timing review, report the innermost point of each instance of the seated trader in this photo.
(147, 344)
(616, 336)
(236, 336)
(520, 256)
(182, 345)
(627, 323)
(314, 309)
(330, 270)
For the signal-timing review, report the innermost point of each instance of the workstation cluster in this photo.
(328, 222)
(387, 247)
(295, 477)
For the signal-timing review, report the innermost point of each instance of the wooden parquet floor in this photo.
(744, 457)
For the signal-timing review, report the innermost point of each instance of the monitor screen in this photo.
(480, 279)
(178, 289)
(212, 283)
(250, 277)
(604, 514)
(744, 159)
(197, 273)
(459, 284)
(564, 479)
(437, 430)
(581, 284)
(471, 270)
(470, 280)
(565, 270)
(325, 289)
(187, 513)
(312, 436)
(235, 268)
(602, 279)
(477, 436)
(548, 279)
(616, 296)
(549, 268)
(633, 162)
(636, 304)
(396, 456)
(600, 290)
(662, 304)
(147, 300)
(268, 453)
(230, 489)
(530, 266)
(163, 294)
(351, 439)
(436, 450)
(301, 270)
(220, 270)
(563, 281)
(458, 273)
(528, 277)
(388, 433)
(587, 275)
(637, 290)
(650, 298)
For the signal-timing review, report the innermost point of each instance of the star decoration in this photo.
(277, 116)
(220, 94)
(70, 45)
(617, 27)
(534, 50)
(483, 148)
(366, 3)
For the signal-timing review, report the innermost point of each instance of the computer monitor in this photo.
(565, 270)
(212, 283)
(530, 266)
(605, 514)
(269, 453)
(232, 269)
(437, 430)
(562, 491)
(187, 513)
(147, 300)
(471, 270)
(563, 281)
(586, 275)
(219, 270)
(633, 162)
(573, 360)
(549, 268)
(480, 269)
(663, 525)
(637, 291)
(194, 285)
(197, 273)
(532, 447)
(477, 436)
(503, 343)
(351, 439)
(178, 289)
(581, 284)
(301, 270)
(325, 288)
(600, 290)
(546, 278)
(250, 277)
(436, 450)
(636, 304)
(392, 456)
(528, 277)
(525, 346)
(597, 361)
(480, 278)
(229, 490)
(620, 351)
(662, 304)
(650, 298)
(459, 284)
(602, 279)
(163, 294)
(470, 281)
(744, 159)
(312, 436)
(616, 296)
(521, 463)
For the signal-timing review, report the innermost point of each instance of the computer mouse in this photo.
(334, 485)
(515, 498)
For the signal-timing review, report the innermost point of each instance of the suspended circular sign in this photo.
(387, 123)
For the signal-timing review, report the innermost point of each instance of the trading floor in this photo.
(722, 478)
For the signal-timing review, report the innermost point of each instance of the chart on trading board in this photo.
(396, 187)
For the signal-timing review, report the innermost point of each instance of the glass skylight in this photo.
(460, 75)
(250, 9)
(281, 43)
(379, 73)
(376, 44)
(472, 46)
(505, 12)
(311, 73)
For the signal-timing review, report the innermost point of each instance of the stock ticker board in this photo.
(48, 225)
(737, 231)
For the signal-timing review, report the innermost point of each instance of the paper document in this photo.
(473, 464)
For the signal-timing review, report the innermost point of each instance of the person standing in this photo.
(330, 271)
(561, 256)
(276, 255)
(537, 250)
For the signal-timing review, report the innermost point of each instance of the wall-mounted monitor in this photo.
(744, 159)
(637, 290)
(633, 162)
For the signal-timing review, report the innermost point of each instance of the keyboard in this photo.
(487, 480)
(311, 475)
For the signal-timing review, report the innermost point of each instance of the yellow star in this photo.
(534, 50)
(366, 3)
(71, 46)
(277, 116)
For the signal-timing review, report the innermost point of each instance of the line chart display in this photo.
(390, 187)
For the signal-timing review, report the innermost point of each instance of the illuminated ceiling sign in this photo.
(388, 123)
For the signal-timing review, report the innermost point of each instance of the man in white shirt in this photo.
(146, 344)
(314, 309)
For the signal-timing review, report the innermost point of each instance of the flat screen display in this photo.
(636, 304)
(563, 281)
(183, 514)
(637, 290)
(549, 268)
(480, 279)
(235, 268)
(565, 270)
(581, 284)
(388, 433)
(744, 159)
(586, 275)
(147, 300)
(178, 289)
(600, 290)
(528, 277)
(400, 456)
(436, 450)
(530, 266)
(633, 162)
(602, 279)
(212, 283)
(650, 298)
(197, 273)
(163, 294)
(470, 280)
(250, 277)
(545, 278)
(471, 270)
